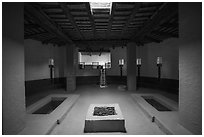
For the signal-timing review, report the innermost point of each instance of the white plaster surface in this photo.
(41, 124)
(102, 59)
(168, 50)
(116, 54)
(37, 56)
(168, 121)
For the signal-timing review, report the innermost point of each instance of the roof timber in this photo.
(71, 22)
(166, 11)
(174, 25)
(70, 17)
(41, 18)
(91, 18)
(105, 43)
(152, 39)
(135, 10)
(35, 35)
(111, 19)
(164, 34)
(49, 40)
(31, 26)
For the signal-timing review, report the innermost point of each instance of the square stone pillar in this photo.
(190, 66)
(131, 66)
(70, 68)
(13, 74)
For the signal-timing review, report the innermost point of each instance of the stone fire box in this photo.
(97, 121)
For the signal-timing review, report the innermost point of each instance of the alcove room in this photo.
(101, 68)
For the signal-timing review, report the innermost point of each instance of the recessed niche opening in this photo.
(157, 104)
(50, 106)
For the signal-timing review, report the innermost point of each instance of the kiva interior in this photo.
(102, 68)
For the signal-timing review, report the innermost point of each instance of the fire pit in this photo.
(104, 118)
(104, 111)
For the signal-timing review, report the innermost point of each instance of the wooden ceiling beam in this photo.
(152, 39)
(98, 43)
(49, 40)
(104, 40)
(37, 14)
(100, 50)
(164, 34)
(168, 25)
(131, 17)
(165, 12)
(28, 26)
(91, 18)
(70, 17)
(35, 35)
(111, 19)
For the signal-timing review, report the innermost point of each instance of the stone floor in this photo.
(136, 122)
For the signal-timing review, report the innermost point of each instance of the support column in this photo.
(13, 75)
(131, 66)
(71, 68)
(190, 66)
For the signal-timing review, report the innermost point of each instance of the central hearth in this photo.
(104, 118)
(104, 111)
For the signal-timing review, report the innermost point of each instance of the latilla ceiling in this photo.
(73, 22)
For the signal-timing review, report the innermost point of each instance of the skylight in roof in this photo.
(100, 6)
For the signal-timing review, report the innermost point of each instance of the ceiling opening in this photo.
(100, 7)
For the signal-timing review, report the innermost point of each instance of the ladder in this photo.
(103, 78)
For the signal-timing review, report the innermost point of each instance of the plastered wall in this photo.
(102, 59)
(13, 90)
(168, 50)
(190, 66)
(116, 54)
(37, 57)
